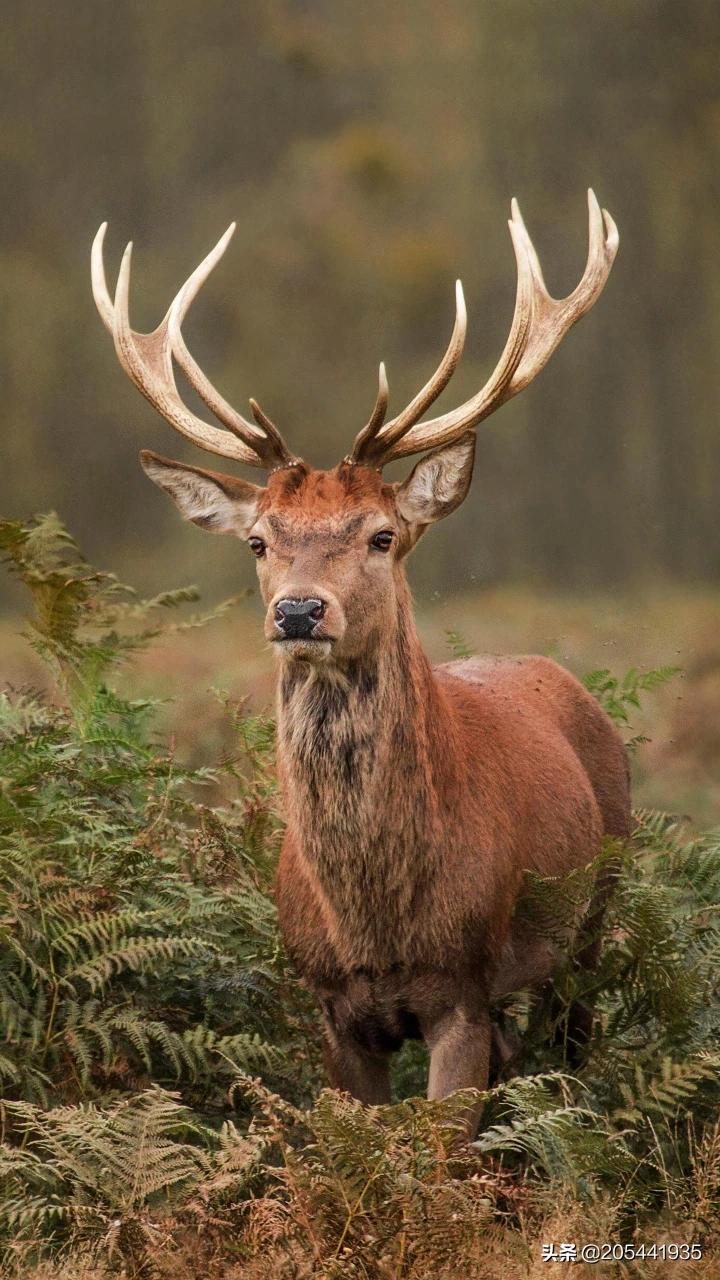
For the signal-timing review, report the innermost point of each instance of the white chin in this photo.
(305, 650)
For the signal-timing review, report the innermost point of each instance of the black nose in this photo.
(297, 619)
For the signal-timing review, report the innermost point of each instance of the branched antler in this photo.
(539, 324)
(147, 358)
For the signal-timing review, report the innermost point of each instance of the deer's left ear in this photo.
(220, 503)
(438, 484)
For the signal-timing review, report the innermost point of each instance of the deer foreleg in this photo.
(459, 1046)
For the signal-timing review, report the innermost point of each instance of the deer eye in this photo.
(383, 540)
(257, 546)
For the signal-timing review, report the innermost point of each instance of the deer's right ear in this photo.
(223, 504)
(438, 483)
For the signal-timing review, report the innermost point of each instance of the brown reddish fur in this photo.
(416, 798)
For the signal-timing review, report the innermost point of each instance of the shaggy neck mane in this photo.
(366, 762)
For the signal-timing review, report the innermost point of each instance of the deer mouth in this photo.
(308, 649)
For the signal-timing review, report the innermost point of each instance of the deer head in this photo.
(330, 545)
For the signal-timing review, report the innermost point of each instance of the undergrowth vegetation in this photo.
(162, 1104)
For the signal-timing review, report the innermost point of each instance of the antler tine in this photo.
(376, 419)
(147, 358)
(371, 441)
(283, 457)
(540, 322)
(103, 301)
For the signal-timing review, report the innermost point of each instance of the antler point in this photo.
(612, 235)
(99, 238)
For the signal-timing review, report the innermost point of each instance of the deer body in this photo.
(416, 798)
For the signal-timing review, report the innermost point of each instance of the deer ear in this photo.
(438, 483)
(223, 504)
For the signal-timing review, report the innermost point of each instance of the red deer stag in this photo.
(416, 797)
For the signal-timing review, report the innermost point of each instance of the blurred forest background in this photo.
(369, 153)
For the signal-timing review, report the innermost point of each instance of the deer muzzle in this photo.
(305, 624)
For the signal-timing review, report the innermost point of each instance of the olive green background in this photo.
(369, 153)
